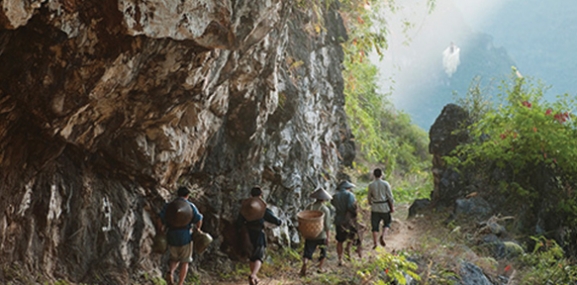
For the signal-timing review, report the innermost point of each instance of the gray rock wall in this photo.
(107, 106)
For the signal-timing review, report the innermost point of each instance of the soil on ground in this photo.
(403, 235)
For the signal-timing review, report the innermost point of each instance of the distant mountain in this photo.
(541, 36)
(538, 37)
(478, 58)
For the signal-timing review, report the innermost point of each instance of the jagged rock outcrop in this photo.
(106, 106)
(445, 135)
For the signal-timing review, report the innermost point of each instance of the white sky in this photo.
(419, 50)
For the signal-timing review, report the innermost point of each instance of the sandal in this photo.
(383, 243)
(252, 280)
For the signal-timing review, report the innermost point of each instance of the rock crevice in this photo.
(105, 108)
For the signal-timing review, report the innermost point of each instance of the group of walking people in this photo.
(254, 213)
(349, 231)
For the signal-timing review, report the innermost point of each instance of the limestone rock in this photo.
(107, 106)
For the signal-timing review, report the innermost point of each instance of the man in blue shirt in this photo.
(179, 239)
(345, 205)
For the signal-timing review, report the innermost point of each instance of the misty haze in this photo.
(443, 51)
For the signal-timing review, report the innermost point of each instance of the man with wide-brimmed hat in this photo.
(345, 205)
(322, 240)
(253, 214)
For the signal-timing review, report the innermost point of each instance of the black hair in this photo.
(255, 191)
(378, 172)
(182, 191)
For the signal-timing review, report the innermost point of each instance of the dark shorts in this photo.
(311, 246)
(257, 253)
(376, 219)
(346, 233)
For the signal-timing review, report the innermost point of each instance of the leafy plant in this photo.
(532, 143)
(547, 264)
(388, 268)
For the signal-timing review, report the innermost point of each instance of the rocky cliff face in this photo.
(106, 106)
(445, 135)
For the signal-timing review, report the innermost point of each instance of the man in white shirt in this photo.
(380, 198)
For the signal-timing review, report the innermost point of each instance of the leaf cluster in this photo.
(389, 268)
(547, 264)
(525, 147)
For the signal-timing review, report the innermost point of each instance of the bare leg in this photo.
(171, 267)
(304, 268)
(340, 252)
(182, 273)
(360, 234)
(385, 232)
(375, 236)
(321, 262)
(254, 268)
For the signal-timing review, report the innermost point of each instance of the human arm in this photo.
(370, 195)
(160, 220)
(327, 223)
(271, 218)
(197, 217)
(390, 199)
(352, 205)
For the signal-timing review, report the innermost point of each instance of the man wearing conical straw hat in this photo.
(322, 240)
(345, 222)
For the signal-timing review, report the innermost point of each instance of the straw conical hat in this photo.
(346, 185)
(321, 194)
(178, 213)
(253, 208)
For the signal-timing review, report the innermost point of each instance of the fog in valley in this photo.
(434, 54)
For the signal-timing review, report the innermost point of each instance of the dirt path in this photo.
(402, 235)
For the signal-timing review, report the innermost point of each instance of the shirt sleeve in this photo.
(370, 195)
(271, 218)
(389, 193)
(327, 218)
(196, 215)
(352, 205)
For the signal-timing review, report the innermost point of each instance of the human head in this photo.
(183, 191)
(255, 191)
(378, 172)
(346, 185)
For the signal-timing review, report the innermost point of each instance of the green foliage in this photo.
(531, 140)
(410, 186)
(547, 264)
(154, 280)
(383, 135)
(388, 268)
(475, 102)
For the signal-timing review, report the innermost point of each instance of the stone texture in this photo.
(445, 135)
(105, 107)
